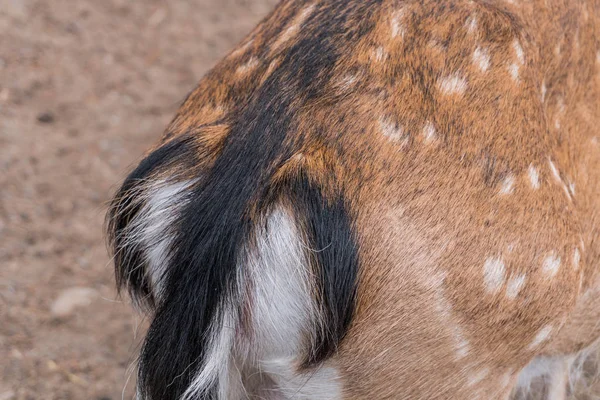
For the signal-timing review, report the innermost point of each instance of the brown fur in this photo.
(431, 205)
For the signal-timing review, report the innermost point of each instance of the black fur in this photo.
(216, 221)
(329, 231)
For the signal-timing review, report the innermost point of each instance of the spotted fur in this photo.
(375, 199)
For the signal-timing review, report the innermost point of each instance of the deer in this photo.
(374, 199)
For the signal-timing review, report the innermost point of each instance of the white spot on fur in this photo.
(571, 188)
(576, 259)
(396, 24)
(453, 84)
(540, 337)
(566, 190)
(481, 59)
(242, 48)
(543, 90)
(514, 286)
(493, 274)
(471, 25)
(513, 70)
(392, 131)
(429, 133)
(461, 344)
(294, 27)
(519, 52)
(347, 82)
(551, 264)
(250, 65)
(435, 282)
(534, 177)
(554, 171)
(272, 66)
(560, 105)
(477, 377)
(305, 13)
(558, 179)
(380, 54)
(507, 186)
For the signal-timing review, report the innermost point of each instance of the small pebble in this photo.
(157, 17)
(7, 395)
(46, 118)
(70, 299)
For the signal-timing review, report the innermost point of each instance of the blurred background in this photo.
(85, 87)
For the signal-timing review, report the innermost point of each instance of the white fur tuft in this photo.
(282, 303)
(150, 228)
(216, 367)
(261, 357)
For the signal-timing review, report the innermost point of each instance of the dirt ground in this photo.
(85, 87)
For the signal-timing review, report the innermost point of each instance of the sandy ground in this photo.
(85, 87)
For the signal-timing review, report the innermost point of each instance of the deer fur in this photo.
(375, 199)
